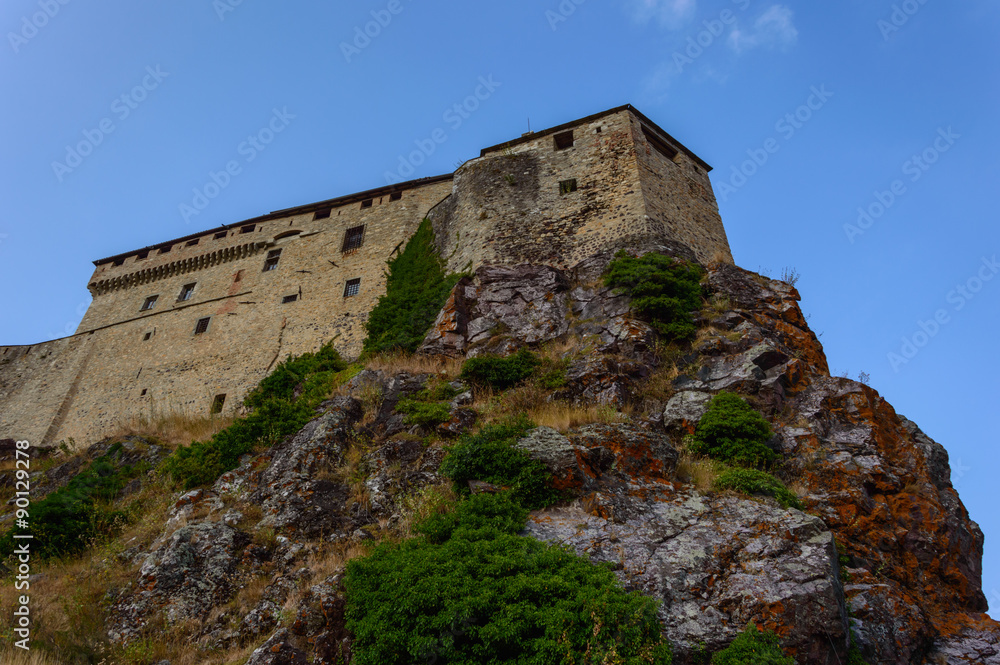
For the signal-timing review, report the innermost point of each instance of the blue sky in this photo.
(811, 113)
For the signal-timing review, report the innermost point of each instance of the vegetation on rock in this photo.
(416, 289)
(500, 373)
(664, 291)
(753, 647)
(490, 456)
(752, 481)
(732, 431)
(472, 591)
(68, 520)
(282, 405)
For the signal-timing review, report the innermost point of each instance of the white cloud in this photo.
(670, 13)
(774, 29)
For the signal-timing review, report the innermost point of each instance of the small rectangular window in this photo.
(217, 404)
(201, 327)
(352, 288)
(395, 196)
(354, 238)
(186, 292)
(149, 304)
(660, 145)
(166, 250)
(141, 256)
(323, 214)
(220, 235)
(600, 129)
(147, 337)
(368, 203)
(143, 393)
(564, 140)
(249, 228)
(289, 299)
(192, 243)
(272, 260)
(567, 186)
(238, 277)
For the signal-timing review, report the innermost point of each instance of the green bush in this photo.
(753, 647)
(473, 592)
(733, 432)
(490, 456)
(416, 290)
(425, 414)
(282, 404)
(479, 516)
(500, 373)
(664, 291)
(751, 481)
(66, 521)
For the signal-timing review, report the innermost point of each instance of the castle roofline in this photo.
(298, 210)
(597, 116)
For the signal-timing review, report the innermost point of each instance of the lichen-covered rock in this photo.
(684, 410)
(277, 651)
(184, 576)
(716, 564)
(292, 499)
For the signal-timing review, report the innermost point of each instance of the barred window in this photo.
(354, 238)
(272, 260)
(201, 327)
(352, 288)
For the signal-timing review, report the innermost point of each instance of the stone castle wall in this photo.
(126, 364)
(538, 199)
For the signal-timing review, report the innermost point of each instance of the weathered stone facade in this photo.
(556, 197)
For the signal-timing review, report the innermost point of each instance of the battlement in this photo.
(193, 324)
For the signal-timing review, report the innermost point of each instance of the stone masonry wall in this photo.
(679, 200)
(250, 328)
(508, 206)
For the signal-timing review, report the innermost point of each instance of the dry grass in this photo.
(698, 471)
(392, 362)
(531, 401)
(563, 416)
(176, 429)
(719, 257)
(439, 498)
(15, 656)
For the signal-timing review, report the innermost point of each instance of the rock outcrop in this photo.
(883, 555)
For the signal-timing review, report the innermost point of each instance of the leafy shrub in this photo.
(753, 647)
(416, 290)
(479, 516)
(425, 414)
(66, 521)
(500, 373)
(283, 404)
(473, 592)
(751, 481)
(664, 291)
(490, 456)
(733, 432)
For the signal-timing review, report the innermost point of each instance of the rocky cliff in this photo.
(882, 555)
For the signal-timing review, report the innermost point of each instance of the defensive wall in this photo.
(192, 325)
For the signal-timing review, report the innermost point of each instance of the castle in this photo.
(191, 325)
